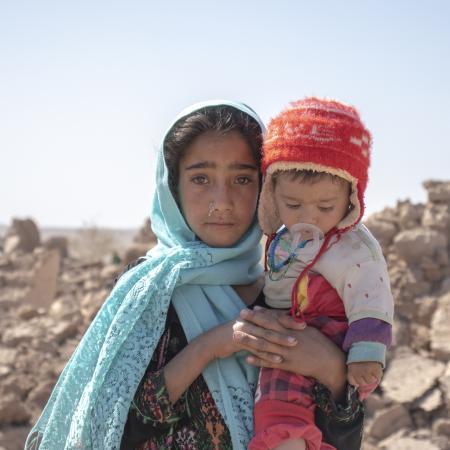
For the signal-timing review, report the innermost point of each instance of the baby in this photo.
(323, 264)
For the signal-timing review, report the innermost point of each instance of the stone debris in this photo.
(47, 302)
(49, 294)
(406, 443)
(431, 401)
(12, 410)
(444, 385)
(389, 420)
(145, 234)
(438, 192)
(144, 240)
(44, 279)
(60, 243)
(417, 243)
(23, 235)
(440, 329)
(410, 376)
(411, 408)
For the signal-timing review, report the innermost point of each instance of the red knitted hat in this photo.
(320, 135)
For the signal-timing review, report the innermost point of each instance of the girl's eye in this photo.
(291, 206)
(326, 208)
(243, 180)
(199, 179)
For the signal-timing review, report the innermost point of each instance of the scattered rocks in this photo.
(13, 411)
(44, 279)
(409, 376)
(406, 443)
(442, 426)
(390, 420)
(91, 303)
(431, 401)
(144, 240)
(412, 245)
(440, 329)
(23, 235)
(64, 330)
(383, 230)
(438, 191)
(13, 437)
(145, 234)
(48, 297)
(19, 335)
(412, 407)
(444, 384)
(40, 394)
(60, 243)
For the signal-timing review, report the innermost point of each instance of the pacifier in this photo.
(306, 239)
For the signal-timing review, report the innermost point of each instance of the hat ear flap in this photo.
(268, 216)
(357, 210)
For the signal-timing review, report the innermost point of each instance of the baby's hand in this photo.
(364, 373)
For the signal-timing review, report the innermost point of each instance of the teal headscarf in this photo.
(90, 402)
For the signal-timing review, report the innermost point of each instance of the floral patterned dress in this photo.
(192, 423)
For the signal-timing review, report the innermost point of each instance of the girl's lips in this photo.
(220, 224)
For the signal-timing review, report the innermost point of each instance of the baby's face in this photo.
(322, 203)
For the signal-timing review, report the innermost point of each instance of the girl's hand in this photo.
(265, 333)
(260, 332)
(218, 341)
(223, 340)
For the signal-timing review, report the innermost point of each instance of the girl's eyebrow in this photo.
(201, 165)
(211, 165)
(242, 166)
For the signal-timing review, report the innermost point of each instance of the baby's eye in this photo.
(326, 208)
(243, 180)
(199, 179)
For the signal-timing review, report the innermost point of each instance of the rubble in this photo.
(411, 407)
(49, 294)
(23, 235)
(143, 241)
(410, 376)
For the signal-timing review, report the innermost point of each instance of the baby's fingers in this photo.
(289, 322)
(352, 380)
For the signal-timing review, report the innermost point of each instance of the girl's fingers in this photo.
(265, 318)
(263, 362)
(257, 345)
(266, 334)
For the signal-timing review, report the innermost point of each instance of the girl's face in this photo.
(218, 187)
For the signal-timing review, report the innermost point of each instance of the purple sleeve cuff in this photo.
(368, 330)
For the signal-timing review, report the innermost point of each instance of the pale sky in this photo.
(87, 89)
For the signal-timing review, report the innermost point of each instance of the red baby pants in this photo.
(284, 403)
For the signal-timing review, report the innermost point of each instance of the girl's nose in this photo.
(222, 198)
